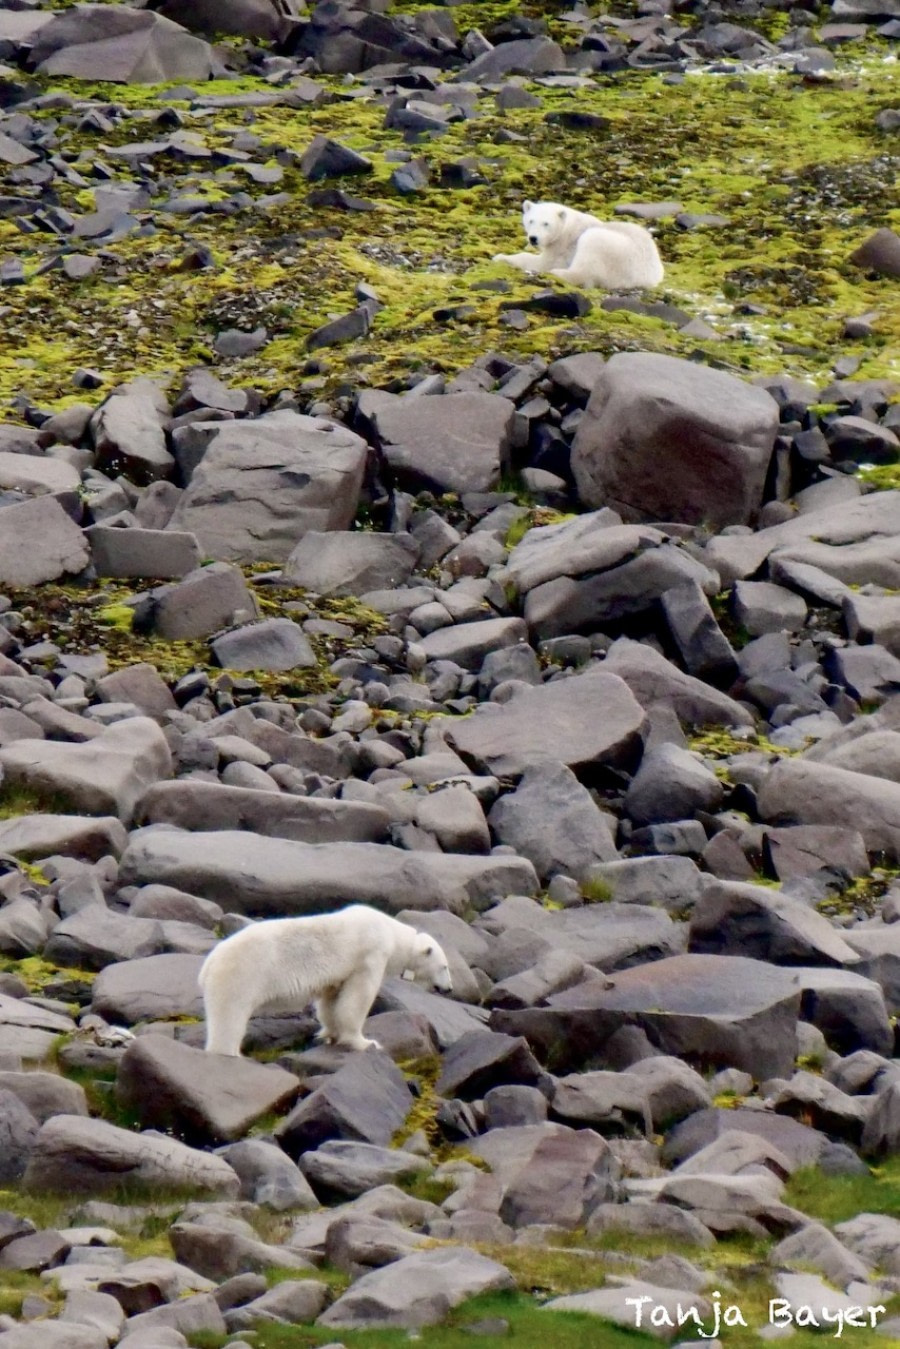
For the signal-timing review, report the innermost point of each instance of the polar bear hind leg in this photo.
(227, 1015)
(351, 1007)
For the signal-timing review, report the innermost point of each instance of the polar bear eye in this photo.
(429, 950)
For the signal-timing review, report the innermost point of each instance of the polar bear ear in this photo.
(527, 205)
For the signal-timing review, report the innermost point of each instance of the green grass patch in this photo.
(835, 1199)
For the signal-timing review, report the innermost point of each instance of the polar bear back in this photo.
(296, 957)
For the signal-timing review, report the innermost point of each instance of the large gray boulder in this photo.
(39, 542)
(731, 918)
(458, 442)
(797, 791)
(150, 989)
(197, 805)
(73, 1155)
(416, 1291)
(264, 19)
(631, 1305)
(265, 877)
(262, 484)
(554, 821)
(346, 562)
(198, 1097)
(589, 721)
(653, 679)
(96, 42)
(667, 439)
(726, 1011)
(104, 776)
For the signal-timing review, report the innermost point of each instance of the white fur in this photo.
(585, 251)
(338, 959)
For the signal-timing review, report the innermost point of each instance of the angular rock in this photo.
(273, 644)
(713, 434)
(39, 542)
(458, 442)
(142, 552)
(130, 47)
(589, 721)
(632, 1305)
(553, 821)
(266, 877)
(269, 1177)
(198, 1097)
(96, 936)
(799, 792)
(482, 1059)
(151, 989)
(469, 644)
(350, 563)
(262, 484)
(203, 602)
(79, 1156)
(671, 784)
(347, 1169)
(416, 1291)
(367, 1101)
(195, 805)
(752, 920)
(723, 1010)
(106, 776)
(653, 679)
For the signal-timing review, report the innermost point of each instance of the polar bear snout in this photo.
(442, 982)
(534, 240)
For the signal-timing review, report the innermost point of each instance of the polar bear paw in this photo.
(357, 1042)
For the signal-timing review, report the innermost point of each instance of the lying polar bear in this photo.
(584, 250)
(338, 959)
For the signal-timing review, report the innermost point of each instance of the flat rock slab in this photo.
(349, 562)
(732, 918)
(39, 542)
(212, 805)
(104, 776)
(797, 791)
(268, 878)
(200, 1098)
(73, 1155)
(148, 989)
(88, 839)
(456, 443)
(262, 484)
(726, 1011)
(653, 679)
(591, 720)
(416, 1291)
(638, 1306)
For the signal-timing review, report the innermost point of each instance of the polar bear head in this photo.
(543, 221)
(428, 964)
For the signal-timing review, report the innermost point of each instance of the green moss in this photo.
(835, 1199)
(597, 890)
(800, 171)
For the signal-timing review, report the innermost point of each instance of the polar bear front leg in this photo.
(325, 1012)
(351, 1007)
(574, 275)
(526, 262)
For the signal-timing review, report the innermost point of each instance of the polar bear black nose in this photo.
(533, 239)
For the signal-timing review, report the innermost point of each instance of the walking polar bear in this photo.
(580, 248)
(337, 959)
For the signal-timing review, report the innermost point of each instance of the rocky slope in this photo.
(564, 627)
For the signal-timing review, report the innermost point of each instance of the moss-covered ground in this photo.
(799, 169)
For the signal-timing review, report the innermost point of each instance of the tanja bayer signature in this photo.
(781, 1312)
